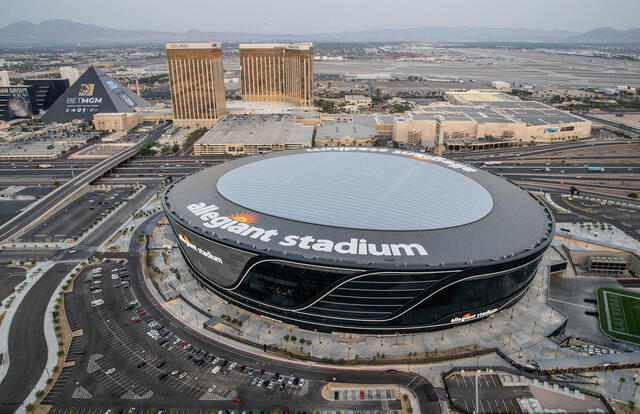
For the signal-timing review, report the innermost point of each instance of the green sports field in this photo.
(619, 312)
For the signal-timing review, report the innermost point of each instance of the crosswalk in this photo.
(82, 250)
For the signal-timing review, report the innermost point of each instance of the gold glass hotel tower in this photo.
(277, 72)
(197, 83)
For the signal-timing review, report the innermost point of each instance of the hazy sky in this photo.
(312, 16)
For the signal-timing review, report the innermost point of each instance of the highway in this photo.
(618, 125)
(36, 211)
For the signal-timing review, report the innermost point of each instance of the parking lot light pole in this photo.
(477, 396)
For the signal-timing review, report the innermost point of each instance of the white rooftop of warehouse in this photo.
(258, 129)
(254, 107)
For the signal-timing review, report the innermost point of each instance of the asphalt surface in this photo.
(10, 277)
(33, 215)
(72, 220)
(122, 344)
(27, 346)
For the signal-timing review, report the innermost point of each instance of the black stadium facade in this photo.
(359, 239)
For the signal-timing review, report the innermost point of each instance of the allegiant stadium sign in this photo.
(241, 225)
(471, 316)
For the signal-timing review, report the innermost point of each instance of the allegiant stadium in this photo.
(359, 239)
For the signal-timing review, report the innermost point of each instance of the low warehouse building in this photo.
(254, 134)
(343, 134)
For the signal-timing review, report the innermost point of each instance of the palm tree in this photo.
(636, 385)
(622, 380)
(631, 405)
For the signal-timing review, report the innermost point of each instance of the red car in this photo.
(237, 399)
(135, 320)
(362, 396)
(142, 313)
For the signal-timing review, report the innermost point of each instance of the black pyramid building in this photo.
(92, 93)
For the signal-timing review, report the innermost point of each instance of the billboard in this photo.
(15, 102)
(93, 92)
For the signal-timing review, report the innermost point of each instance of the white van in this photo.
(216, 369)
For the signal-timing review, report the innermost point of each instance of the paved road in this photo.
(33, 215)
(10, 277)
(27, 346)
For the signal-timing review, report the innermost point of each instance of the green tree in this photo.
(621, 381)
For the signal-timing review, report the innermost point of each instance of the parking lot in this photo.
(493, 397)
(127, 357)
(73, 220)
(355, 394)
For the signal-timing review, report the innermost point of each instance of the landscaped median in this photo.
(57, 319)
(11, 304)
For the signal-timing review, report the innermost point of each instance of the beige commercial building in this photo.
(72, 74)
(277, 72)
(356, 102)
(197, 83)
(487, 125)
(342, 135)
(116, 121)
(254, 134)
(4, 78)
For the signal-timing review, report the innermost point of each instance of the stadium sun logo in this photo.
(420, 158)
(246, 218)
